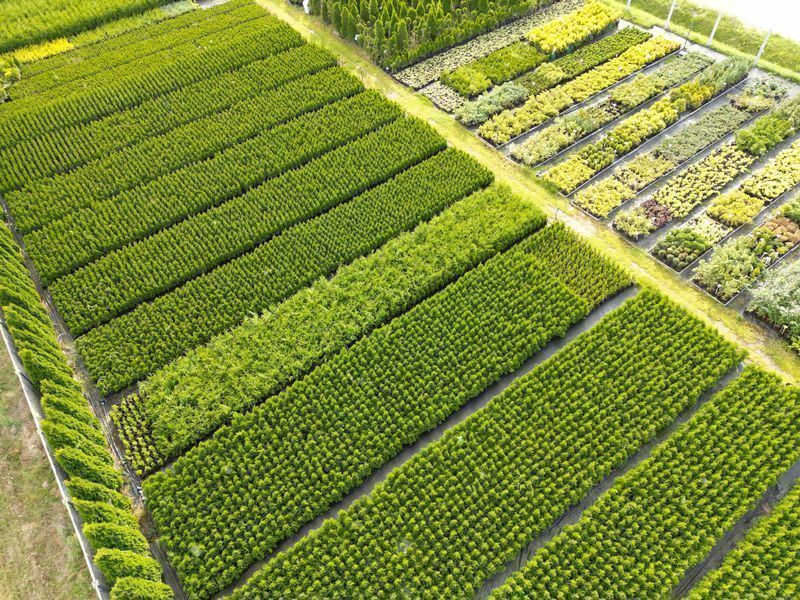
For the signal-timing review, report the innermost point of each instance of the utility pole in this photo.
(669, 16)
(714, 30)
(629, 4)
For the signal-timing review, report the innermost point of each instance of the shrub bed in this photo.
(490, 321)
(666, 514)
(562, 427)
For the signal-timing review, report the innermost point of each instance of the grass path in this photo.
(765, 348)
(41, 559)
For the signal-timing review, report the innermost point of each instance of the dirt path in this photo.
(43, 560)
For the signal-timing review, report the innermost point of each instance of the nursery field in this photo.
(641, 130)
(28, 22)
(286, 333)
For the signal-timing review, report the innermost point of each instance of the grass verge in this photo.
(41, 559)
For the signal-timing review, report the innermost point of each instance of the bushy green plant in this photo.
(777, 177)
(792, 210)
(116, 564)
(777, 299)
(498, 99)
(467, 81)
(132, 588)
(101, 512)
(634, 223)
(731, 268)
(79, 464)
(60, 435)
(509, 62)
(88, 490)
(764, 134)
(682, 246)
(604, 197)
(120, 537)
(735, 208)
(643, 170)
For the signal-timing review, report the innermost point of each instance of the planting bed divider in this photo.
(657, 183)
(583, 104)
(652, 140)
(599, 132)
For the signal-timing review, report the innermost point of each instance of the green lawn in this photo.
(43, 559)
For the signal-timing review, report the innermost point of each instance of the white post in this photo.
(629, 4)
(714, 30)
(669, 16)
(763, 45)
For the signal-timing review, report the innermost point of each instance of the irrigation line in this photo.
(661, 133)
(31, 396)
